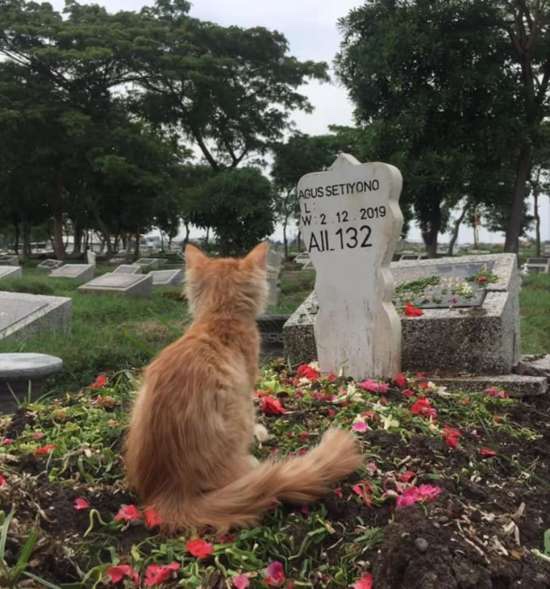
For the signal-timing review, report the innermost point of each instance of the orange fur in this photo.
(187, 451)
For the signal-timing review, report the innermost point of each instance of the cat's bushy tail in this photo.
(299, 479)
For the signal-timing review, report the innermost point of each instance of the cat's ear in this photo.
(258, 256)
(194, 256)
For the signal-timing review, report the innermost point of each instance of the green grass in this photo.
(107, 332)
(110, 332)
(535, 314)
(296, 285)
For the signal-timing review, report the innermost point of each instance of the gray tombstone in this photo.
(476, 333)
(167, 277)
(135, 285)
(128, 269)
(23, 375)
(78, 272)
(23, 315)
(10, 272)
(151, 263)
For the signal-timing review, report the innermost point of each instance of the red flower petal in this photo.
(365, 582)
(128, 513)
(199, 548)
(400, 380)
(2, 480)
(119, 572)
(156, 574)
(43, 450)
(80, 503)
(424, 407)
(99, 382)
(487, 452)
(152, 517)
(411, 311)
(271, 406)
(306, 371)
(364, 490)
(451, 435)
(7, 441)
(407, 476)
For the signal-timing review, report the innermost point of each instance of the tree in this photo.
(526, 23)
(237, 204)
(433, 79)
(230, 90)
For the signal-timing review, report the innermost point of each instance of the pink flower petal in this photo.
(80, 503)
(240, 582)
(365, 582)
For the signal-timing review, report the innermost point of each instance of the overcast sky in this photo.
(310, 27)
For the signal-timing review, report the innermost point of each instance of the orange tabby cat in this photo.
(188, 447)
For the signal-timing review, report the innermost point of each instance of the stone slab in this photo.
(167, 277)
(350, 222)
(478, 340)
(534, 365)
(515, 385)
(50, 264)
(28, 366)
(136, 285)
(77, 272)
(128, 269)
(151, 263)
(10, 272)
(9, 260)
(23, 315)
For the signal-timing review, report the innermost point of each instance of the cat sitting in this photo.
(187, 451)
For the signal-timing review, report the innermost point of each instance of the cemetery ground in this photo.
(455, 491)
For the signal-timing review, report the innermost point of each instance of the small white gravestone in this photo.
(351, 223)
(91, 257)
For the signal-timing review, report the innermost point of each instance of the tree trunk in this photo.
(207, 238)
(285, 238)
(136, 247)
(77, 239)
(58, 245)
(430, 231)
(518, 199)
(17, 233)
(186, 238)
(537, 220)
(26, 239)
(456, 229)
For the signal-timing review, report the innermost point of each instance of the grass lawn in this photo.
(535, 314)
(108, 332)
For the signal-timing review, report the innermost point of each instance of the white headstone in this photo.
(91, 257)
(351, 223)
